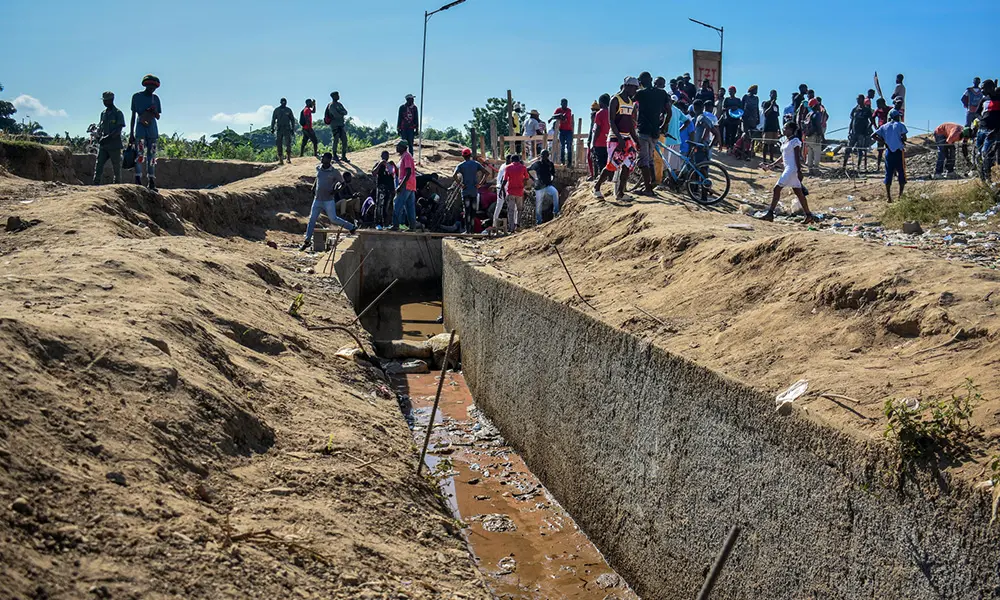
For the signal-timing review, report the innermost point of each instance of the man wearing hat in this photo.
(146, 110)
(335, 118)
(283, 119)
(110, 132)
(408, 121)
(533, 126)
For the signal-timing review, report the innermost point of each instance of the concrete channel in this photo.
(656, 457)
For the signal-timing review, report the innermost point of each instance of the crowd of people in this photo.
(626, 129)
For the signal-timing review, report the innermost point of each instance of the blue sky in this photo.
(221, 61)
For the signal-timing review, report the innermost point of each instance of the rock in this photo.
(21, 506)
(116, 477)
(160, 344)
(15, 224)
(439, 345)
(280, 491)
(497, 523)
(271, 244)
(506, 565)
(608, 580)
(349, 578)
(912, 228)
(403, 349)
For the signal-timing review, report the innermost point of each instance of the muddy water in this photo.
(523, 541)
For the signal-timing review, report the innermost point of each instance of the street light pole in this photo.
(423, 64)
(721, 31)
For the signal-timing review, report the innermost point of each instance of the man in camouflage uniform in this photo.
(110, 132)
(283, 119)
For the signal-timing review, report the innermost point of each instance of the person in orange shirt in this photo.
(945, 137)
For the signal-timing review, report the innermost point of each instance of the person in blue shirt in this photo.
(143, 135)
(893, 134)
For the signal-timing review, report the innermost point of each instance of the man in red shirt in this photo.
(306, 121)
(515, 176)
(564, 115)
(405, 205)
(599, 135)
(945, 137)
(880, 116)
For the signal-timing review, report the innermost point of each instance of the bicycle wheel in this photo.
(709, 183)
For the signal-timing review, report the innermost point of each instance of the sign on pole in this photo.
(707, 65)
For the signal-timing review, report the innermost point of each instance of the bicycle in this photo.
(706, 182)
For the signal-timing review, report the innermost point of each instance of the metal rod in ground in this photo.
(333, 253)
(361, 264)
(437, 398)
(556, 248)
(345, 330)
(720, 561)
(373, 302)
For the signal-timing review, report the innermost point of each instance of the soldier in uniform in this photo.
(143, 135)
(283, 119)
(110, 130)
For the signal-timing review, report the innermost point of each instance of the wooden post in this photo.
(473, 138)
(482, 144)
(494, 141)
(510, 114)
(578, 154)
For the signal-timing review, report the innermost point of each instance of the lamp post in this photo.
(721, 32)
(423, 64)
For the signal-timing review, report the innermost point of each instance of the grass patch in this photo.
(930, 207)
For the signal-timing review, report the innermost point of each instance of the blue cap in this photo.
(895, 115)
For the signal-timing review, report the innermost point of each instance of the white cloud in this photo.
(261, 117)
(197, 135)
(29, 105)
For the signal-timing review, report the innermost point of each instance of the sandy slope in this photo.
(167, 429)
(778, 303)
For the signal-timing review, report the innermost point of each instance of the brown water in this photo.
(523, 540)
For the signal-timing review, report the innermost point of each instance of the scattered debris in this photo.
(783, 402)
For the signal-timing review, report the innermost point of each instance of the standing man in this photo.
(335, 117)
(533, 126)
(971, 100)
(599, 134)
(283, 127)
(654, 115)
(564, 116)
(899, 92)
(880, 116)
(110, 131)
(687, 87)
(516, 176)
(545, 175)
(306, 121)
(732, 125)
(945, 137)
(143, 135)
(405, 204)
(328, 180)
(772, 126)
(893, 134)
(751, 116)
(814, 135)
(706, 92)
(677, 120)
(407, 122)
(467, 173)
(385, 184)
(622, 140)
(859, 133)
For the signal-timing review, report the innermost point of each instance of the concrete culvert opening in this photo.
(525, 543)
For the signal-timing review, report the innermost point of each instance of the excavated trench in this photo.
(524, 542)
(656, 457)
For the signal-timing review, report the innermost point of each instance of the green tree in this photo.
(6, 111)
(495, 109)
(450, 134)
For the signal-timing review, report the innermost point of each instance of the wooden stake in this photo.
(361, 264)
(437, 398)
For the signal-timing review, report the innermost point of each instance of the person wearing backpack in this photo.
(814, 135)
(306, 121)
(334, 117)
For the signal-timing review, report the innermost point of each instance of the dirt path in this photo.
(168, 429)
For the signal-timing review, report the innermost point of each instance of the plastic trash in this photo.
(783, 401)
(850, 198)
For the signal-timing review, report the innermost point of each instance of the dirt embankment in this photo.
(776, 304)
(167, 429)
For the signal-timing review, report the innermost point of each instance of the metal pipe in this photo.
(373, 302)
(361, 264)
(720, 561)
(437, 398)
(420, 117)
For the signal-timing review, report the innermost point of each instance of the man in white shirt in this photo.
(900, 90)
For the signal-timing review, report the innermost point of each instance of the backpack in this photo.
(326, 115)
(303, 120)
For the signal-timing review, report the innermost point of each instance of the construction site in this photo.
(644, 399)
